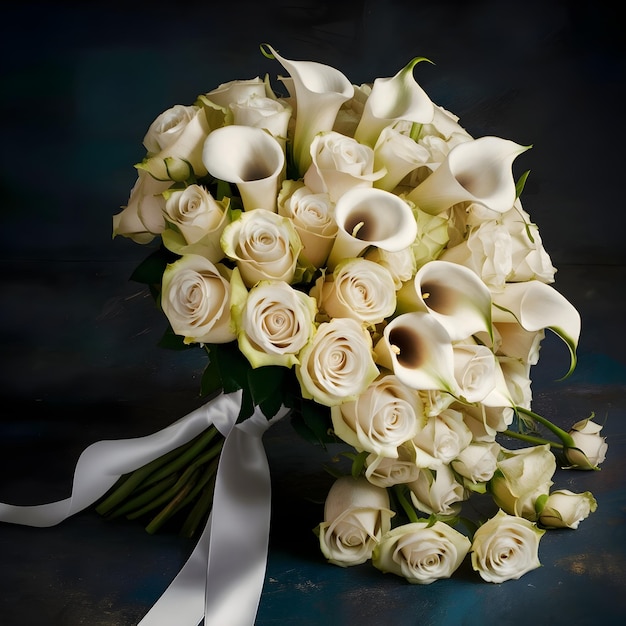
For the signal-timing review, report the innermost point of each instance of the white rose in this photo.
(400, 264)
(443, 437)
(312, 217)
(337, 364)
(517, 376)
(590, 448)
(196, 300)
(420, 552)
(486, 422)
(176, 138)
(357, 288)
(264, 245)
(339, 163)
(522, 477)
(142, 218)
(474, 370)
(437, 492)
(356, 516)
(566, 509)
(477, 462)
(386, 471)
(198, 221)
(505, 548)
(381, 419)
(236, 90)
(432, 236)
(268, 113)
(273, 321)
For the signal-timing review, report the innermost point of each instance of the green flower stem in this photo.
(565, 437)
(200, 509)
(187, 477)
(405, 504)
(144, 497)
(127, 484)
(187, 456)
(532, 439)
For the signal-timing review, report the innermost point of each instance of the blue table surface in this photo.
(79, 355)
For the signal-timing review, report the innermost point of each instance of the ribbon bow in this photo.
(222, 580)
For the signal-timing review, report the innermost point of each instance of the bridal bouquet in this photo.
(352, 257)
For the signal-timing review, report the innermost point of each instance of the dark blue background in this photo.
(80, 84)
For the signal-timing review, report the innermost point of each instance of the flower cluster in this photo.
(353, 253)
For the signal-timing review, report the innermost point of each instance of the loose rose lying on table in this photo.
(366, 260)
(353, 255)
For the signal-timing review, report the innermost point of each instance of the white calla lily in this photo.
(393, 99)
(536, 306)
(366, 217)
(250, 158)
(474, 171)
(319, 92)
(454, 295)
(418, 350)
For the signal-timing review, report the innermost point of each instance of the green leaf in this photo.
(312, 422)
(519, 186)
(171, 341)
(211, 381)
(266, 384)
(150, 270)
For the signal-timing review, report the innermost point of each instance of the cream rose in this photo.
(337, 364)
(357, 288)
(386, 471)
(382, 418)
(196, 300)
(437, 492)
(174, 142)
(566, 509)
(522, 477)
(443, 437)
(420, 552)
(400, 264)
(261, 112)
(273, 321)
(590, 448)
(236, 90)
(505, 548)
(356, 516)
(339, 163)
(312, 217)
(264, 245)
(198, 221)
(477, 462)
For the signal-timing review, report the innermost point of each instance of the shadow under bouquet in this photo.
(352, 258)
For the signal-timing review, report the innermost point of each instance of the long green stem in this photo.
(565, 437)
(532, 439)
(405, 504)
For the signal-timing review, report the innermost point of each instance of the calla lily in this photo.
(474, 171)
(418, 350)
(453, 294)
(371, 217)
(535, 306)
(320, 90)
(393, 99)
(249, 157)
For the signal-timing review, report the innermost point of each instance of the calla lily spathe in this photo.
(453, 294)
(478, 170)
(537, 306)
(250, 158)
(393, 99)
(371, 217)
(319, 92)
(418, 350)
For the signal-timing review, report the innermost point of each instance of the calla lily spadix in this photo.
(418, 350)
(365, 217)
(536, 306)
(393, 99)
(478, 171)
(250, 158)
(320, 90)
(453, 294)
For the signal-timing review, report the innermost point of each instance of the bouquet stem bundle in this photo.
(179, 483)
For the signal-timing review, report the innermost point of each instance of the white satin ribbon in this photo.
(222, 580)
